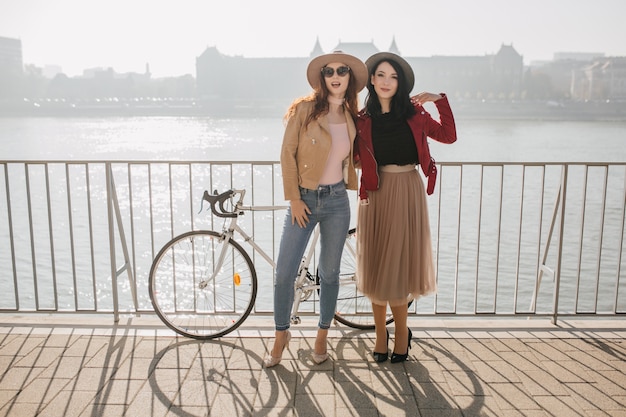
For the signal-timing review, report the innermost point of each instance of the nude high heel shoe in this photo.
(270, 360)
(320, 357)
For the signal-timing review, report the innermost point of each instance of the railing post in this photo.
(114, 207)
(557, 272)
(109, 179)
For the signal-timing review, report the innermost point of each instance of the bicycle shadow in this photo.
(187, 377)
(415, 387)
(198, 378)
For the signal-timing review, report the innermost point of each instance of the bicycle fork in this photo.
(225, 238)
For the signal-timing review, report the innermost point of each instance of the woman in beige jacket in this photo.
(317, 168)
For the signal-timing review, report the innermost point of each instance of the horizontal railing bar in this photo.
(490, 232)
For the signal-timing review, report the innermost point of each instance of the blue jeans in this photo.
(330, 208)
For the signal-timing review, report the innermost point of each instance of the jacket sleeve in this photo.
(445, 130)
(288, 154)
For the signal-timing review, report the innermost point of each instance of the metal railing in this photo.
(80, 236)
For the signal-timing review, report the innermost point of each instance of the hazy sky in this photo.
(169, 35)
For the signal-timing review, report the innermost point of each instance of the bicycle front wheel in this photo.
(201, 286)
(353, 308)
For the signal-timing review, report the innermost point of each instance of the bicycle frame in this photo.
(303, 286)
(194, 277)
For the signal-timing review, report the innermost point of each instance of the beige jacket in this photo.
(305, 151)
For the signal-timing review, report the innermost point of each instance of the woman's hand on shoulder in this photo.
(425, 97)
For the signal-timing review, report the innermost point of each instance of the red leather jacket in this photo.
(423, 126)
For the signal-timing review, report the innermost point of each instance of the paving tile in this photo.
(151, 347)
(86, 346)
(512, 396)
(564, 372)
(276, 392)
(519, 362)
(135, 368)
(148, 403)
(7, 396)
(476, 405)
(391, 380)
(591, 397)
(400, 406)
(20, 409)
(354, 393)
(167, 380)
(118, 391)
(350, 411)
(352, 371)
(425, 371)
(61, 340)
(178, 356)
(18, 378)
(541, 383)
(240, 382)
(207, 368)
(21, 345)
(68, 404)
(495, 372)
(41, 390)
(177, 411)
(101, 410)
(433, 396)
(612, 383)
(558, 405)
(315, 405)
(198, 394)
(274, 412)
(89, 379)
(316, 383)
(40, 357)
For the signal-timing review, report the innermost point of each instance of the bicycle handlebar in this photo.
(216, 198)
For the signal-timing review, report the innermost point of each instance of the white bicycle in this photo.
(203, 283)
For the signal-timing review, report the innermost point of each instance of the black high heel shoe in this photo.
(395, 358)
(382, 357)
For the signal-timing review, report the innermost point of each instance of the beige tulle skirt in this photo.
(394, 249)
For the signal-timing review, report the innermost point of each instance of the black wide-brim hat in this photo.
(358, 70)
(375, 59)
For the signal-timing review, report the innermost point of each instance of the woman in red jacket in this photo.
(395, 262)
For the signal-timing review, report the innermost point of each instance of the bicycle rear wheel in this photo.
(193, 298)
(353, 308)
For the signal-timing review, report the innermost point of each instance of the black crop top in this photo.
(393, 141)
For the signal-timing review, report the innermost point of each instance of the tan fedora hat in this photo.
(375, 59)
(357, 68)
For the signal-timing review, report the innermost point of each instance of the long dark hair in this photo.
(320, 97)
(401, 105)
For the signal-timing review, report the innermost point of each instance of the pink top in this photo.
(339, 150)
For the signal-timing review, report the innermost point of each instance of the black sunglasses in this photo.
(341, 71)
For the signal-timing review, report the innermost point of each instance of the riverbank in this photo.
(463, 109)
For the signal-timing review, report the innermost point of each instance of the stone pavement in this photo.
(70, 367)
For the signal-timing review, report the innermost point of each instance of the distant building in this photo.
(11, 57)
(11, 68)
(577, 56)
(603, 79)
(227, 78)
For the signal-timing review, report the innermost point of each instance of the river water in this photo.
(259, 139)
(205, 138)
